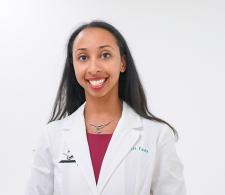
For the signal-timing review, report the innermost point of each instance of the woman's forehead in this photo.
(94, 37)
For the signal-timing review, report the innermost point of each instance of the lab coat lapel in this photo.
(126, 134)
(76, 140)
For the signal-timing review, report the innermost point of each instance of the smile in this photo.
(97, 84)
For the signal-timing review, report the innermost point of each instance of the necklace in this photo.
(99, 127)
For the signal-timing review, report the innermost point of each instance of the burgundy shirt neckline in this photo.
(98, 144)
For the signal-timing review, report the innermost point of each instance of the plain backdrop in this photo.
(179, 50)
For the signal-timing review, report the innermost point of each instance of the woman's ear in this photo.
(123, 64)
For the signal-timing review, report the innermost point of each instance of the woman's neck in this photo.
(100, 109)
(102, 113)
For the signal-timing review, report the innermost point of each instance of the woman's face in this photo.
(97, 62)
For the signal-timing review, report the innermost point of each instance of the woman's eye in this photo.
(82, 58)
(106, 55)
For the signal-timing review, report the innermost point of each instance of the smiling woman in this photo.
(97, 63)
(101, 137)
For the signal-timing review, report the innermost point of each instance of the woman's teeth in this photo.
(96, 83)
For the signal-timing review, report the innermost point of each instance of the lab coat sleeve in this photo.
(168, 173)
(41, 175)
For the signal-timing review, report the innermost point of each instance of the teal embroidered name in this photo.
(140, 149)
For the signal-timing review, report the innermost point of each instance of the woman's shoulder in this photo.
(160, 131)
(151, 129)
(57, 126)
(54, 128)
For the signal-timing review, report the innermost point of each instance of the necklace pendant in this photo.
(98, 127)
(97, 130)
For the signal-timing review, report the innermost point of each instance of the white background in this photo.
(179, 50)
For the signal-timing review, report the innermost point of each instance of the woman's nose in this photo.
(94, 66)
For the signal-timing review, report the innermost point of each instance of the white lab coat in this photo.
(141, 159)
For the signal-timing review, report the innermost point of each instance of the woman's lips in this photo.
(97, 83)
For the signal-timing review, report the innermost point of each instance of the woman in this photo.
(101, 137)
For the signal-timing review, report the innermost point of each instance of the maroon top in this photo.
(98, 144)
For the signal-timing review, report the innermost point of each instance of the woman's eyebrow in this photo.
(100, 47)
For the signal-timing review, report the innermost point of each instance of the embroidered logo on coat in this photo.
(69, 158)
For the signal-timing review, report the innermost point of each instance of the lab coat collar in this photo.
(124, 137)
